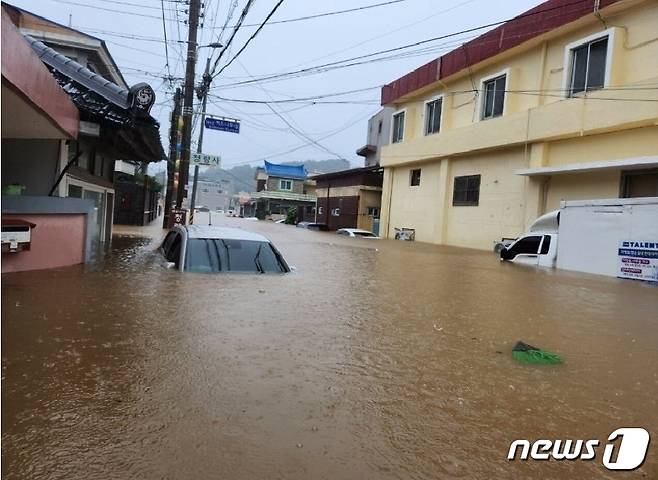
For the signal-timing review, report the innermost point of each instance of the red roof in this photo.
(546, 16)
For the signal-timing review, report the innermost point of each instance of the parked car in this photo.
(210, 249)
(356, 232)
(312, 226)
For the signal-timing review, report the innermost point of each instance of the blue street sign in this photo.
(223, 125)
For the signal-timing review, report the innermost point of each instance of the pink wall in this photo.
(57, 240)
(25, 71)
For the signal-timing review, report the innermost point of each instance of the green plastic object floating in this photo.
(524, 353)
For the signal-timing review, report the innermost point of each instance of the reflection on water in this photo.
(375, 359)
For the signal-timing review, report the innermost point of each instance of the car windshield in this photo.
(364, 234)
(212, 255)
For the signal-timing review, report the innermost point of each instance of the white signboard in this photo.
(205, 159)
(638, 260)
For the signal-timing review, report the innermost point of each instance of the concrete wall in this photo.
(57, 241)
(536, 74)
(540, 128)
(30, 162)
(428, 208)
(376, 136)
(273, 185)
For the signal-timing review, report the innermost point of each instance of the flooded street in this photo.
(374, 359)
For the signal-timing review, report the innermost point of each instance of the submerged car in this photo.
(209, 249)
(355, 232)
(312, 226)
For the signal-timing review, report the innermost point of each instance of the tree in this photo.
(291, 218)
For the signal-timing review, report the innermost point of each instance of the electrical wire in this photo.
(164, 31)
(327, 14)
(324, 66)
(269, 15)
(236, 28)
(96, 7)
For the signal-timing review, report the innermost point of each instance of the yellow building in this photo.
(560, 103)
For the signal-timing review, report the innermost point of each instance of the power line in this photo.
(243, 15)
(139, 5)
(301, 99)
(164, 31)
(327, 14)
(252, 37)
(302, 145)
(404, 47)
(96, 7)
(309, 102)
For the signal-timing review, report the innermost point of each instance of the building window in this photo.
(379, 127)
(373, 212)
(493, 96)
(588, 63)
(414, 177)
(639, 184)
(433, 116)
(285, 184)
(398, 127)
(335, 212)
(75, 191)
(466, 191)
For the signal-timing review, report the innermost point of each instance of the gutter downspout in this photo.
(326, 215)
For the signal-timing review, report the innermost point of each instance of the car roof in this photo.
(209, 231)
(355, 230)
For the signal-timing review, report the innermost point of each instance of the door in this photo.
(525, 250)
(96, 223)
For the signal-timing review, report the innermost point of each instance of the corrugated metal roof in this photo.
(286, 171)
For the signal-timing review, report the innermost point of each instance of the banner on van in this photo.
(638, 260)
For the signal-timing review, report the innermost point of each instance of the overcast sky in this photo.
(134, 34)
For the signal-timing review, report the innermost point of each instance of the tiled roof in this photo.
(136, 134)
(546, 16)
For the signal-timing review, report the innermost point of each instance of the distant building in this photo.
(379, 135)
(280, 188)
(350, 198)
(214, 195)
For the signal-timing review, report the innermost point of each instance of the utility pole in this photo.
(188, 99)
(204, 92)
(173, 157)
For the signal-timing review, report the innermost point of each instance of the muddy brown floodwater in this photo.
(374, 360)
